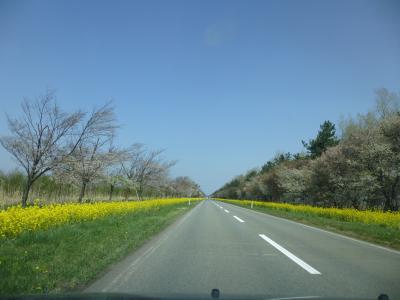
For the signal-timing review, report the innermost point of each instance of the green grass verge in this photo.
(67, 257)
(377, 234)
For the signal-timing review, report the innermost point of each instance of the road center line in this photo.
(239, 219)
(227, 211)
(293, 257)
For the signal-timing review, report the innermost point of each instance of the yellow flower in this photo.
(16, 219)
(385, 219)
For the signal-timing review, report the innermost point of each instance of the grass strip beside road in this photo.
(15, 220)
(388, 236)
(65, 258)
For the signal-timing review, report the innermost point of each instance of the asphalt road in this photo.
(242, 252)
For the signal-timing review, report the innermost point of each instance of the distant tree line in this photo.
(68, 154)
(361, 169)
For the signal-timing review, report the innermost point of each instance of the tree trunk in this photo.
(82, 193)
(25, 193)
(59, 193)
(111, 191)
(394, 195)
(139, 193)
(126, 195)
(387, 205)
(388, 201)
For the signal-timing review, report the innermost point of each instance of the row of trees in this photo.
(76, 151)
(361, 169)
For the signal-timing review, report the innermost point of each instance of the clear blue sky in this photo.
(221, 85)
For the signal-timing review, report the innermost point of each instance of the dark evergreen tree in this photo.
(326, 138)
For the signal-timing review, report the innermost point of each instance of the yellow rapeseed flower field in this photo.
(386, 219)
(16, 219)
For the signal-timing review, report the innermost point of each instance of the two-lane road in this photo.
(242, 252)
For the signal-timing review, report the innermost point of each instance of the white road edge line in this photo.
(121, 278)
(227, 211)
(239, 219)
(318, 229)
(293, 257)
